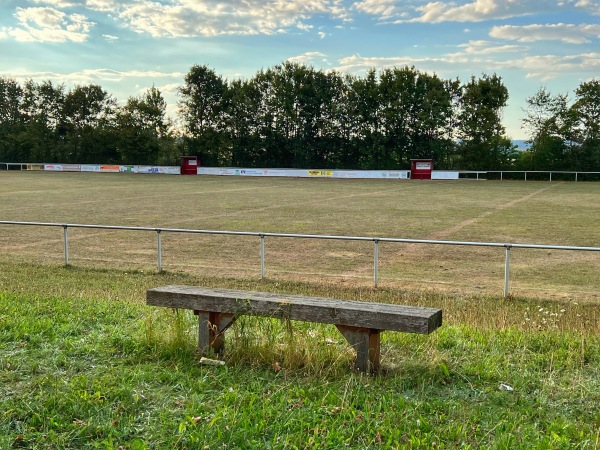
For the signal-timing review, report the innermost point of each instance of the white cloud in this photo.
(93, 75)
(309, 58)
(385, 9)
(56, 3)
(482, 47)
(592, 6)
(339, 11)
(97, 5)
(103, 5)
(43, 24)
(358, 64)
(547, 67)
(542, 68)
(479, 10)
(189, 18)
(322, 34)
(397, 11)
(569, 33)
(304, 26)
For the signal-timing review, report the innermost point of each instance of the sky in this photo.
(128, 46)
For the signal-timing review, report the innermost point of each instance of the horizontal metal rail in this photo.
(263, 235)
(549, 172)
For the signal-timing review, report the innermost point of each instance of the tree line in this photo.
(294, 116)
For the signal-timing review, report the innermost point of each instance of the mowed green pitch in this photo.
(555, 213)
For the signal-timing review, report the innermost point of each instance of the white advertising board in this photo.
(90, 168)
(71, 168)
(303, 173)
(444, 175)
(170, 170)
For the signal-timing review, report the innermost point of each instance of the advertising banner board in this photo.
(35, 167)
(170, 170)
(90, 168)
(301, 173)
(71, 168)
(444, 175)
(109, 168)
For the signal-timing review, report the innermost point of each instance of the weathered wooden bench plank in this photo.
(359, 322)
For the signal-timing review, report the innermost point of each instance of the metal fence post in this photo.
(159, 250)
(66, 233)
(507, 269)
(262, 256)
(376, 263)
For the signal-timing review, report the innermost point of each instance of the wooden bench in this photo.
(359, 322)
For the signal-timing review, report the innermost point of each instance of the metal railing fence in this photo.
(538, 172)
(263, 235)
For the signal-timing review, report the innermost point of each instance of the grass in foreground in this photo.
(89, 368)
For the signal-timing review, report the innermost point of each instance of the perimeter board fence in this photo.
(262, 236)
(531, 175)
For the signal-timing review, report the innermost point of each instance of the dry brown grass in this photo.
(557, 213)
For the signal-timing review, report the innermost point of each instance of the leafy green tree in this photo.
(398, 97)
(11, 96)
(41, 107)
(242, 123)
(483, 142)
(586, 113)
(87, 121)
(201, 106)
(366, 105)
(332, 130)
(417, 111)
(546, 123)
(143, 130)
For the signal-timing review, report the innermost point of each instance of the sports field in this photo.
(554, 213)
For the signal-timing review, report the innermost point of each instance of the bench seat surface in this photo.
(380, 316)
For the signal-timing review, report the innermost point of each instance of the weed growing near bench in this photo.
(87, 365)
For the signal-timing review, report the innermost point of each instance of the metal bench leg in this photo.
(367, 345)
(211, 330)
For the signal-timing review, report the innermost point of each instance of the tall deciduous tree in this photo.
(546, 123)
(242, 124)
(366, 104)
(483, 141)
(417, 110)
(586, 110)
(11, 96)
(143, 130)
(87, 119)
(202, 109)
(41, 107)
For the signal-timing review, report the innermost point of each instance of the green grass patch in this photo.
(85, 364)
(90, 369)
